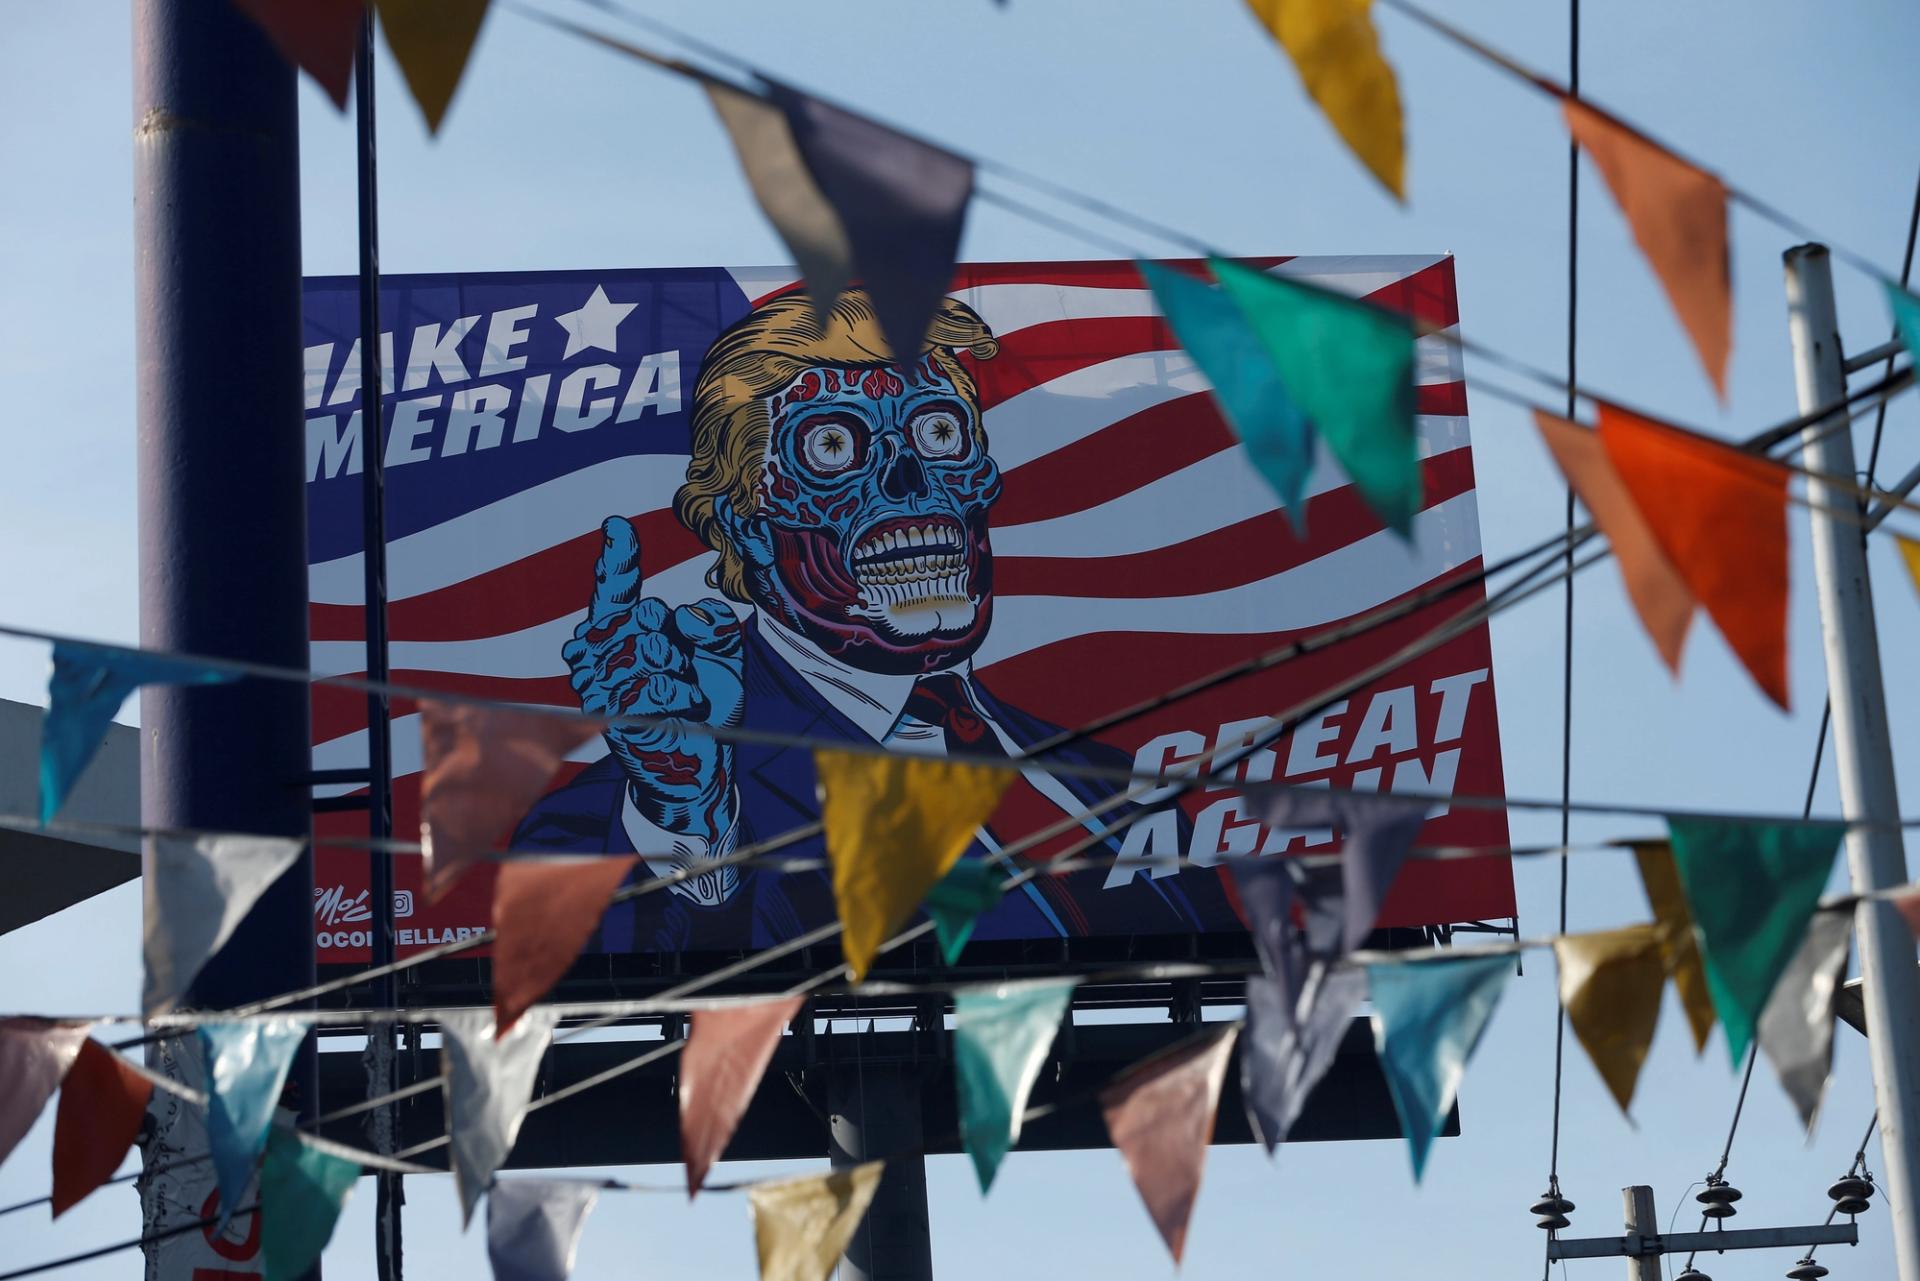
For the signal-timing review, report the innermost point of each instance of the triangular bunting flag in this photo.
(318, 36)
(1658, 593)
(1679, 949)
(1160, 1116)
(1291, 1039)
(489, 1084)
(901, 203)
(1610, 984)
(1679, 218)
(894, 826)
(1379, 828)
(1796, 1028)
(1910, 554)
(544, 910)
(534, 1226)
(1001, 1035)
(1908, 905)
(1334, 47)
(1277, 436)
(34, 1055)
(1906, 316)
(786, 191)
(481, 767)
(197, 891)
(301, 1192)
(102, 1104)
(432, 40)
(970, 887)
(87, 688)
(1751, 888)
(1720, 515)
(728, 1049)
(247, 1065)
(1348, 365)
(802, 1226)
(1428, 1018)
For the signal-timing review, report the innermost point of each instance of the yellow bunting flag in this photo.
(1610, 984)
(432, 40)
(895, 825)
(1337, 52)
(1679, 950)
(1910, 553)
(802, 1226)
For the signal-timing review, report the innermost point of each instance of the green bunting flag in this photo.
(1906, 317)
(1001, 1034)
(957, 899)
(1247, 387)
(1751, 888)
(1348, 365)
(1427, 1021)
(301, 1192)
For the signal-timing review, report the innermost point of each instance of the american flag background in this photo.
(1135, 547)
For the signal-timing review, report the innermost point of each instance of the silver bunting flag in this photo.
(1796, 1027)
(534, 1225)
(489, 1083)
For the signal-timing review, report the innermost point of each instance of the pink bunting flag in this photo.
(727, 1053)
(544, 910)
(1160, 1115)
(481, 767)
(34, 1056)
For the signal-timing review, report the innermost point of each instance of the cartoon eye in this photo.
(939, 433)
(832, 445)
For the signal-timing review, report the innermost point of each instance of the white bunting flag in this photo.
(489, 1082)
(197, 891)
(534, 1225)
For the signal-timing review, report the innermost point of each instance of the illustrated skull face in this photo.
(870, 529)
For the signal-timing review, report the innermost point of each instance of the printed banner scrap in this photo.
(197, 891)
(1001, 1035)
(534, 1227)
(802, 1226)
(1796, 1028)
(1160, 1115)
(301, 1192)
(728, 1049)
(247, 1065)
(489, 1084)
(1427, 1021)
(1679, 949)
(432, 40)
(34, 1055)
(1337, 52)
(970, 887)
(894, 826)
(544, 910)
(1610, 986)
(103, 1102)
(318, 36)
(1751, 888)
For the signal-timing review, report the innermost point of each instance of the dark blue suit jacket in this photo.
(776, 788)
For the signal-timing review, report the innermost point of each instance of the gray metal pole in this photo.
(874, 1110)
(1862, 750)
(1642, 1220)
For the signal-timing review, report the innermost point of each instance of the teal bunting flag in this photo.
(957, 899)
(1428, 1017)
(87, 688)
(301, 1192)
(247, 1065)
(1906, 317)
(1247, 387)
(1348, 365)
(1001, 1035)
(1751, 888)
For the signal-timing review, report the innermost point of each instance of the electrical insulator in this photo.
(1806, 1270)
(1691, 1275)
(1551, 1211)
(1716, 1201)
(1851, 1194)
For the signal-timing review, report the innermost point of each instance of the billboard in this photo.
(682, 491)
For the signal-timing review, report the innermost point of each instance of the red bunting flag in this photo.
(318, 36)
(544, 910)
(1679, 218)
(728, 1049)
(1160, 1115)
(481, 767)
(102, 1104)
(1720, 517)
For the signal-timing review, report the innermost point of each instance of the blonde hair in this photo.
(773, 345)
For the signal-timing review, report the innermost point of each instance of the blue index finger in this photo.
(616, 575)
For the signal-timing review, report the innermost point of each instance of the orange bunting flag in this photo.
(728, 1049)
(432, 40)
(481, 767)
(318, 36)
(1679, 218)
(544, 910)
(103, 1102)
(1658, 593)
(1160, 1115)
(1720, 516)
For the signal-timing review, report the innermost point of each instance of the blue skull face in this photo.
(870, 529)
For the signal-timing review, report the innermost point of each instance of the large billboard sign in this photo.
(683, 492)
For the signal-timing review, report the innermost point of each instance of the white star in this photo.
(596, 324)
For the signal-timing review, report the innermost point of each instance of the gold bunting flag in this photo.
(1679, 950)
(1610, 984)
(432, 40)
(894, 826)
(1337, 52)
(544, 910)
(318, 36)
(1910, 554)
(802, 1226)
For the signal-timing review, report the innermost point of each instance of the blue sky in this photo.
(557, 155)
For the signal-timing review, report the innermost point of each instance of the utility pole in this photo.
(1643, 1245)
(1863, 752)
